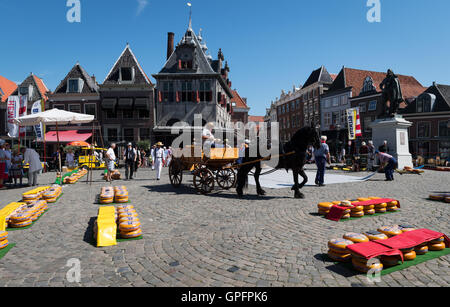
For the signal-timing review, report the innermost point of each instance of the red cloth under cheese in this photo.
(336, 212)
(392, 246)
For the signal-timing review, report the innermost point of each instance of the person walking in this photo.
(70, 159)
(158, 158)
(138, 161)
(130, 160)
(31, 157)
(3, 174)
(321, 156)
(110, 159)
(152, 156)
(16, 171)
(389, 163)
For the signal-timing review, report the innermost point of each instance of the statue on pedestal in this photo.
(392, 92)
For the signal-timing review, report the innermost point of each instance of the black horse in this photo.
(292, 156)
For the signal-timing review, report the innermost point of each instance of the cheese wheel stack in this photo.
(107, 195)
(376, 235)
(390, 231)
(357, 211)
(52, 194)
(338, 250)
(436, 245)
(116, 175)
(362, 264)
(128, 222)
(324, 208)
(381, 208)
(3, 239)
(27, 214)
(75, 176)
(34, 195)
(120, 194)
(392, 206)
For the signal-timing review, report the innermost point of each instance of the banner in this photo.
(23, 112)
(354, 123)
(12, 112)
(37, 108)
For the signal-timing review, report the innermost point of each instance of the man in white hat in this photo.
(158, 158)
(130, 159)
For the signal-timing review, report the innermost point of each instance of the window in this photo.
(127, 74)
(144, 134)
(327, 119)
(335, 101)
(127, 113)
(343, 116)
(144, 113)
(335, 118)
(423, 130)
(128, 134)
(327, 103)
(23, 90)
(444, 131)
(205, 91)
(91, 109)
(75, 108)
(168, 92)
(287, 108)
(362, 107)
(186, 91)
(74, 85)
(112, 135)
(343, 100)
(424, 103)
(372, 105)
(185, 64)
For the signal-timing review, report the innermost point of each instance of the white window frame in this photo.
(74, 104)
(91, 103)
(80, 85)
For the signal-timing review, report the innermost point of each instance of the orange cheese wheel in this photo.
(357, 214)
(339, 244)
(409, 256)
(356, 237)
(3, 235)
(436, 247)
(363, 199)
(389, 261)
(369, 207)
(128, 214)
(339, 257)
(3, 244)
(346, 216)
(125, 207)
(323, 212)
(336, 202)
(371, 198)
(392, 203)
(357, 208)
(437, 241)
(369, 212)
(422, 250)
(130, 235)
(21, 224)
(390, 231)
(364, 268)
(380, 210)
(325, 206)
(129, 226)
(374, 237)
(383, 205)
(392, 209)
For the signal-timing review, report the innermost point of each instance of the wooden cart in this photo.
(206, 171)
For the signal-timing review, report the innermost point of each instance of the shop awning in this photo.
(109, 103)
(67, 136)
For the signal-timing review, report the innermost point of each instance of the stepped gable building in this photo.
(240, 108)
(348, 90)
(127, 100)
(78, 92)
(429, 136)
(192, 83)
(7, 87)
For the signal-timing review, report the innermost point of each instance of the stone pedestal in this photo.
(395, 132)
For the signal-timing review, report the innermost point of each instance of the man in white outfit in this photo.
(32, 157)
(158, 156)
(152, 155)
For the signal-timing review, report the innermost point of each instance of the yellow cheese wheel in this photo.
(326, 205)
(436, 247)
(374, 237)
(371, 198)
(357, 208)
(380, 210)
(393, 203)
(128, 214)
(357, 214)
(339, 257)
(125, 207)
(364, 268)
(390, 231)
(389, 261)
(339, 244)
(409, 256)
(336, 202)
(407, 229)
(346, 216)
(3, 244)
(21, 217)
(369, 207)
(323, 212)
(383, 205)
(421, 250)
(3, 235)
(369, 212)
(437, 241)
(129, 226)
(130, 235)
(392, 209)
(21, 224)
(356, 237)
(363, 199)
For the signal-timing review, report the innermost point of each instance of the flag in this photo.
(23, 112)
(354, 123)
(11, 113)
(37, 108)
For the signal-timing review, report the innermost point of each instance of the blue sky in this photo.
(270, 45)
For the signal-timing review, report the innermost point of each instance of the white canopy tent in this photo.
(54, 117)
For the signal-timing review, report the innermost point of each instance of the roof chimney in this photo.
(170, 39)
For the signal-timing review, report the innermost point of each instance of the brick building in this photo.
(7, 87)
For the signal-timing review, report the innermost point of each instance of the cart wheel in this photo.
(175, 173)
(204, 180)
(226, 178)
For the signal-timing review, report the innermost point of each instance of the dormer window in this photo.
(126, 74)
(74, 85)
(23, 90)
(186, 64)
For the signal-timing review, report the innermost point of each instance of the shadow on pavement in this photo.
(89, 233)
(342, 269)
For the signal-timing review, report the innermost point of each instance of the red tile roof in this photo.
(333, 76)
(355, 78)
(41, 86)
(7, 87)
(237, 99)
(256, 119)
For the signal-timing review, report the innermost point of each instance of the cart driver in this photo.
(207, 135)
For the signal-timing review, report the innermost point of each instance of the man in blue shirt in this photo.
(322, 155)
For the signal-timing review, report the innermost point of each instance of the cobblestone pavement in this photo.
(217, 240)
